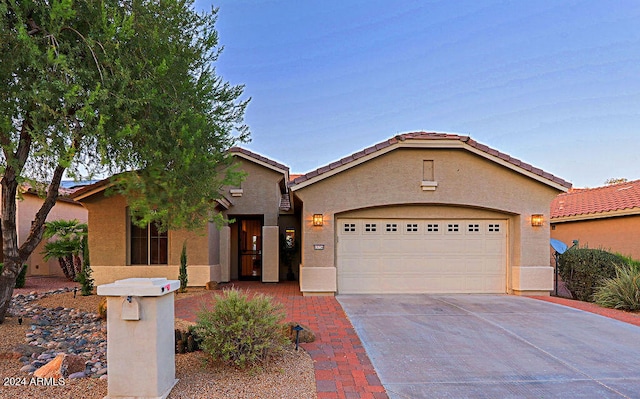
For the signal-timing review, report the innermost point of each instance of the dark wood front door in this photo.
(250, 247)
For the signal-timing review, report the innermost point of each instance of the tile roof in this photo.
(240, 150)
(293, 176)
(435, 137)
(594, 201)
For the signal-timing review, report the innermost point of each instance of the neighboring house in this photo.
(420, 212)
(602, 218)
(26, 208)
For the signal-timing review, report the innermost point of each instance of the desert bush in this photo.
(583, 270)
(621, 291)
(241, 331)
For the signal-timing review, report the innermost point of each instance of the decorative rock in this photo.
(104, 377)
(79, 374)
(59, 331)
(61, 366)
(28, 368)
(51, 369)
(306, 335)
(211, 285)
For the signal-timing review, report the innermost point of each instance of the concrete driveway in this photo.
(494, 346)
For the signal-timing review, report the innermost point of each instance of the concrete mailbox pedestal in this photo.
(140, 337)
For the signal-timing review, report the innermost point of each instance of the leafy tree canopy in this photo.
(101, 87)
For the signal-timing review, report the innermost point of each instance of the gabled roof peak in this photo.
(429, 139)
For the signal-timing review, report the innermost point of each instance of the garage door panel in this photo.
(421, 256)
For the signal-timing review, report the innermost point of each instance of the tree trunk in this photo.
(7, 282)
(12, 260)
(16, 255)
(65, 269)
(77, 265)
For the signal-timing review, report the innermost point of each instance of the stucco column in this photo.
(270, 254)
(225, 254)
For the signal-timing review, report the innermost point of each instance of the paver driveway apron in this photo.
(494, 346)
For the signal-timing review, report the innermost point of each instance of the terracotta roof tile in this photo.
(293, 176)
(431, 136)
(615, 197)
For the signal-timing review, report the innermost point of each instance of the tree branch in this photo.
(37, 226)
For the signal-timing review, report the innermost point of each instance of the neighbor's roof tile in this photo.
(615, 197)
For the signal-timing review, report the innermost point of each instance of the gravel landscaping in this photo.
(291, 375)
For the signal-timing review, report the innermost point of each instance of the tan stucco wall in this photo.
(27, 208)
(615, 234)
(470, 185)
(261, 193)
(270, 254)
(198, 275)
(108, 246)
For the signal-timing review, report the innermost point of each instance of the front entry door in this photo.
(250, 249)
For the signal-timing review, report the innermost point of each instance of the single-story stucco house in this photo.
(417, 213)
(605, 217)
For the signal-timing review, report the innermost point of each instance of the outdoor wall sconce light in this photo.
(537, 220)
(317, 219)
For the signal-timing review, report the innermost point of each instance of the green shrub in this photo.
(183, 268)
(583, 270)
(241, 331)
(621, 291)
(84, 277)
(21, 279)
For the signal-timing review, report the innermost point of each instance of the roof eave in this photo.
(462, 143)
(599, 215)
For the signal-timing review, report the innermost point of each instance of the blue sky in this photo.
(553, 83)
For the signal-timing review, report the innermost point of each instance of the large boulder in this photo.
(61, 366)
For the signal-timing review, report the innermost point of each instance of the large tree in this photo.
(103, 87)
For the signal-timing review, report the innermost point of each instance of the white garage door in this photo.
(421, 256)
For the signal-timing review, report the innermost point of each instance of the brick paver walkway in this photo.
(342, 367)
(621, 315)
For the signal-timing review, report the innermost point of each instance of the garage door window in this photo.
(433, 228)
(473, 228)
(392, 227)
(349, 228)
(453, 228)
(370, 227)
(494, 228)
(412, 228)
